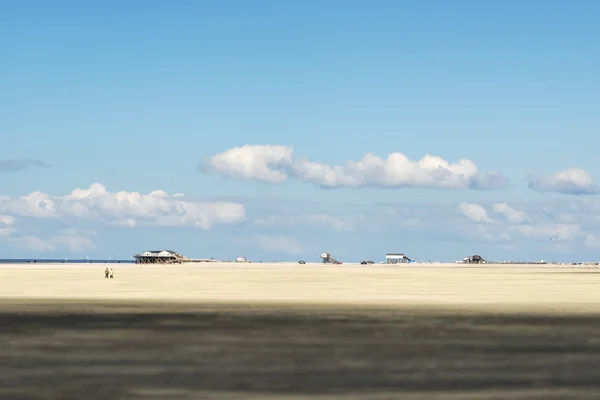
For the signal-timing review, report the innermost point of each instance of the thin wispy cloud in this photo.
(14, 165)
(574, 181)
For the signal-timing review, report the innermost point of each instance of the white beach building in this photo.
(396, 258)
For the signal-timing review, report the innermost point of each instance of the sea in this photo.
(58, 261)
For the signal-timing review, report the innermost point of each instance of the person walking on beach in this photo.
(112, 272)
(106, 272)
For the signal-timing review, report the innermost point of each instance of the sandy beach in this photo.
(506, 288)
(286, 331)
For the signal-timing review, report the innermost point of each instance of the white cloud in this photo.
(569, 181)
(159, 193)
(35, 204)
(279, 244)
(547, 226)
(550, 231)
(275, 164)
(6, 228)
(124, 223)
(262, 163)
(6, 220)
(475, 212)
(96, 203)
(513, 216)
(124, 208)
(561, 228)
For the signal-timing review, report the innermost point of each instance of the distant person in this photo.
(106, 273)
(112, 273)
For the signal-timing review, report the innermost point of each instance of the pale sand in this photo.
(507, 288)
(290, 332)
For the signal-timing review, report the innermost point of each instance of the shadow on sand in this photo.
(98, 352)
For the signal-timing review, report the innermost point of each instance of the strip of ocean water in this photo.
(59, 261)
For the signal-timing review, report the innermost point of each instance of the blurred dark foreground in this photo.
(102, 351)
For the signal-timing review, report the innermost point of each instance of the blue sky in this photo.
(246, 108)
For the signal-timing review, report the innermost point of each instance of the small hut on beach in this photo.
(475, 259)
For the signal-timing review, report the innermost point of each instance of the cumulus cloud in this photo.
(475, 213)
(20, 164)
(6, 228)
(549, 229)
(263, 163)
(574, 181)
(510, 214)
(546, 227)
(123, 208)
(275, 164)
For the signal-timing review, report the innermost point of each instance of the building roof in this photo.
(156, 253)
